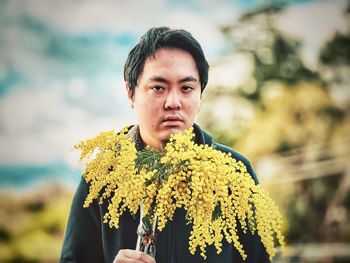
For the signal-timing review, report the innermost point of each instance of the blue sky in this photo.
(61, 63)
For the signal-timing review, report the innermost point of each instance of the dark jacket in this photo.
(88, 239)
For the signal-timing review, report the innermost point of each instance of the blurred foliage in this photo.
(293, 122)
(275, 56)
(292, 116)
(280, 62)
(337, 51)
(32, 223)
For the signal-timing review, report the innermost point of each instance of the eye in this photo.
(158, 88)
(187, 88)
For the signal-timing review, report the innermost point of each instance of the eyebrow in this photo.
(163, 80)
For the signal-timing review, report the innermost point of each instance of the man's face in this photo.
(167, 96)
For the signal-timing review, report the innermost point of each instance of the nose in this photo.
(173, 101)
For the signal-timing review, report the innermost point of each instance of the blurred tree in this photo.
(275, 56)
(337, 51)
(32, 224)
(294, 118)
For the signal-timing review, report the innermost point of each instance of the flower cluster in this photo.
(216, 190)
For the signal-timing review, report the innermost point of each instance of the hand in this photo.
(133, 256)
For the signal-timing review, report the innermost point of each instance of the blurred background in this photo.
(279, 92)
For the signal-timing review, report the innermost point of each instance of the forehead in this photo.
(170, 60)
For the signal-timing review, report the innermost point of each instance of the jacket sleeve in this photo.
(83, 239)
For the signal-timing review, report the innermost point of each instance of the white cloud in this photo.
(131, 16)
(91, 15)
(232, 71)
(313, 23)
(39, 126)
(204, 30)
(117, 15)
(77, 88)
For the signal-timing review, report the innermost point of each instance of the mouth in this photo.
(172, 121)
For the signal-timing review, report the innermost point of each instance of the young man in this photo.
(165, 75)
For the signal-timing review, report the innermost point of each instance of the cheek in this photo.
(149, 112)
(143, 106)
(193, 108)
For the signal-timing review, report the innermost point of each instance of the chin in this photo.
(173, 130)
(169, 131)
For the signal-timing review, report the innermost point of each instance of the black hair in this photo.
(163, 37)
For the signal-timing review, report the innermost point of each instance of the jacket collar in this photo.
(201, 136)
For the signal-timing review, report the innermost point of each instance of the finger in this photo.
(128, 260)
(121, 258)
(139, 255)
(135, 255)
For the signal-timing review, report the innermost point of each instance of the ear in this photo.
(129, 92)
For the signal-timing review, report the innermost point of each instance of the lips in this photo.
(172, 120)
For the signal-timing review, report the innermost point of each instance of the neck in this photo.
(151, 142)
(158, 145)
